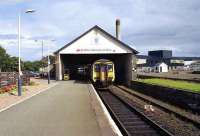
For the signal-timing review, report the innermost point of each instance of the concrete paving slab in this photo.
(64, 110)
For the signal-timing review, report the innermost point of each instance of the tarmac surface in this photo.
(64, 110)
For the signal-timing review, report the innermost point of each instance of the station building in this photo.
(96, 44)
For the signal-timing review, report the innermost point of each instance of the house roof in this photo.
(142, 56)
(196, 63)
(186, 58)
(147, 57)
(158, 64)
(103, 31)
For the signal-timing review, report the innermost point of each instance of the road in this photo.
(63, 110)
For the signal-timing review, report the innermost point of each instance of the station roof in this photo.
(105, 33)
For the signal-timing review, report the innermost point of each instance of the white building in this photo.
(140, 61)
(161, 67)
(195, 66)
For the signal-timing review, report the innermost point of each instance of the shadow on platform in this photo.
(81, 82)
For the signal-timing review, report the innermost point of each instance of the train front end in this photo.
(103, 73)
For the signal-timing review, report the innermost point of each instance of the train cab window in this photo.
(110, 67)
(97, 67)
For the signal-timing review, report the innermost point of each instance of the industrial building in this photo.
(195, 66)
(92, 45)
(148, 63)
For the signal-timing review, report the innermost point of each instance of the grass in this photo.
(194, 87)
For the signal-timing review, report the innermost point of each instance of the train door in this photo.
(103, 72)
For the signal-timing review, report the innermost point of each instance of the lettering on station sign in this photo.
(94, 50)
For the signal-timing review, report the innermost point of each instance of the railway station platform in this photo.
(68, 108)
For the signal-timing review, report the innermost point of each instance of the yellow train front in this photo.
(103, 73)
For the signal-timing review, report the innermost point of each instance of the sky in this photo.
(145, 24)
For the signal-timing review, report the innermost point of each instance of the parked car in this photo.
(34, 74)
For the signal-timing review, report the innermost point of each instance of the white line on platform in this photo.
(26, 98)
(110, 120)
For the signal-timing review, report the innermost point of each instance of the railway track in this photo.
(182, 115)
(185, 99)
(130, 121)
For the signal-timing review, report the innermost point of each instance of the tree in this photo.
(4, 59)
(14, 63)
(10, 64)
(32, 66)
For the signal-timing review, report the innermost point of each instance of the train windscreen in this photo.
(97, 67)
(110, 67)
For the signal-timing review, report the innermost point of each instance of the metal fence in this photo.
(8, 78)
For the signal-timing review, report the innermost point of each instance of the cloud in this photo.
(8, 36)
(10, 2)
(146, 25)
(30, 49)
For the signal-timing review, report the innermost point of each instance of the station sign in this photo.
(95, 50)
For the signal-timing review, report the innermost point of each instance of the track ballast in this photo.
(130, 121)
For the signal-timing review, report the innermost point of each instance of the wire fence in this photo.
(10, 78)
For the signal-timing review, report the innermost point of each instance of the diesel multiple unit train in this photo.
(101, 72)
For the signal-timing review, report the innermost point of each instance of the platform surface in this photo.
(64, 110)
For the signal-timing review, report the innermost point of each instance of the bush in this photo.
(1, 90)
(8, 88)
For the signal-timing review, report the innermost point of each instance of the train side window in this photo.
(97, 67)
(110, 67)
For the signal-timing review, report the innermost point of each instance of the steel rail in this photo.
(123, 113)
(177, 114)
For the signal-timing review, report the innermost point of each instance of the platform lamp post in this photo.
(19, 53)
(48, 59)
(49, 62)
(42, 67)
